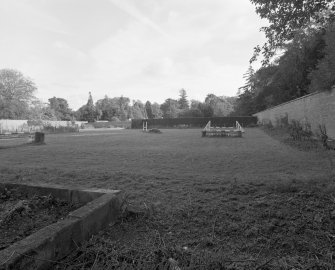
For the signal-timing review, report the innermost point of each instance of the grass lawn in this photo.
(211, 203)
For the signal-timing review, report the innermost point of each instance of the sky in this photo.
(141, 49)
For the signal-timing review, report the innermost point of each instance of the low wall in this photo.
(53, 242)
(9, 125)
(316, 108)
(12, 125)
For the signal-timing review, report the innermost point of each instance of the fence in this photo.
(316, 108)
(196, 122)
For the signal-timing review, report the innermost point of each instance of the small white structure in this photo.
(210, 131)
(145, 126)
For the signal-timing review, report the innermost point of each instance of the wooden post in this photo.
(39, 137)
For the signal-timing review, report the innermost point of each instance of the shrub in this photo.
(155, 130)
(299, 131)
(252, 125)
(115, 119)
(282, 121)
(324, 137)
(268, 124)
(61, 129)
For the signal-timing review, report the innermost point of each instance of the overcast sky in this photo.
(141, 49)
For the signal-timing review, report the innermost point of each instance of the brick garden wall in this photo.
(316, 108)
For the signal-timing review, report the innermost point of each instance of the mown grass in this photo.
(208, 203)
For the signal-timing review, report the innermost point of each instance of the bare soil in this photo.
(21, 216)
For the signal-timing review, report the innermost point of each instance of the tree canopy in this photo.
(323, 76)
(148, 109)
(170, 108)
(286, 18)
(16, 94)
(88, 112)
(61, 108)
(304, 31)
(182, 101)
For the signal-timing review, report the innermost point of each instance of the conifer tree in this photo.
(90, 109)
(182, 101)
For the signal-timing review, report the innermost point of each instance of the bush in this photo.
(268, 125)
(60, 129)
(155, 130)
(252, 125)
(324, 137)
(299, 131)
(115, 119)
(282, 121)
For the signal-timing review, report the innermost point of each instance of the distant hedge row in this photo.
(111, 124)
(199, 122)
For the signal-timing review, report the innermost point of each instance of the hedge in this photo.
(195, 122)
(111, 124)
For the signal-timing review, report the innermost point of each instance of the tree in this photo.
(288, 17)
(90, 109)
(182, 101)
(170, 108)
(87, 112)
(206, 109)
(16, 94)
(323, 77)
(245, 104)
(148, 109)
(156, 111)
(112, 108)
(123, 105)
(289, 76)
(138, 110)
(61, 108)
(249, 77)
(107, 108)
(195, 110)
(221, 106)
(191, 113)
(39, 111)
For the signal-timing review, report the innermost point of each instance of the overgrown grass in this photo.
(281, 226)
(236, 203)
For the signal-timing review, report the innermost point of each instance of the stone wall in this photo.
(9, 125)
(316, 108)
